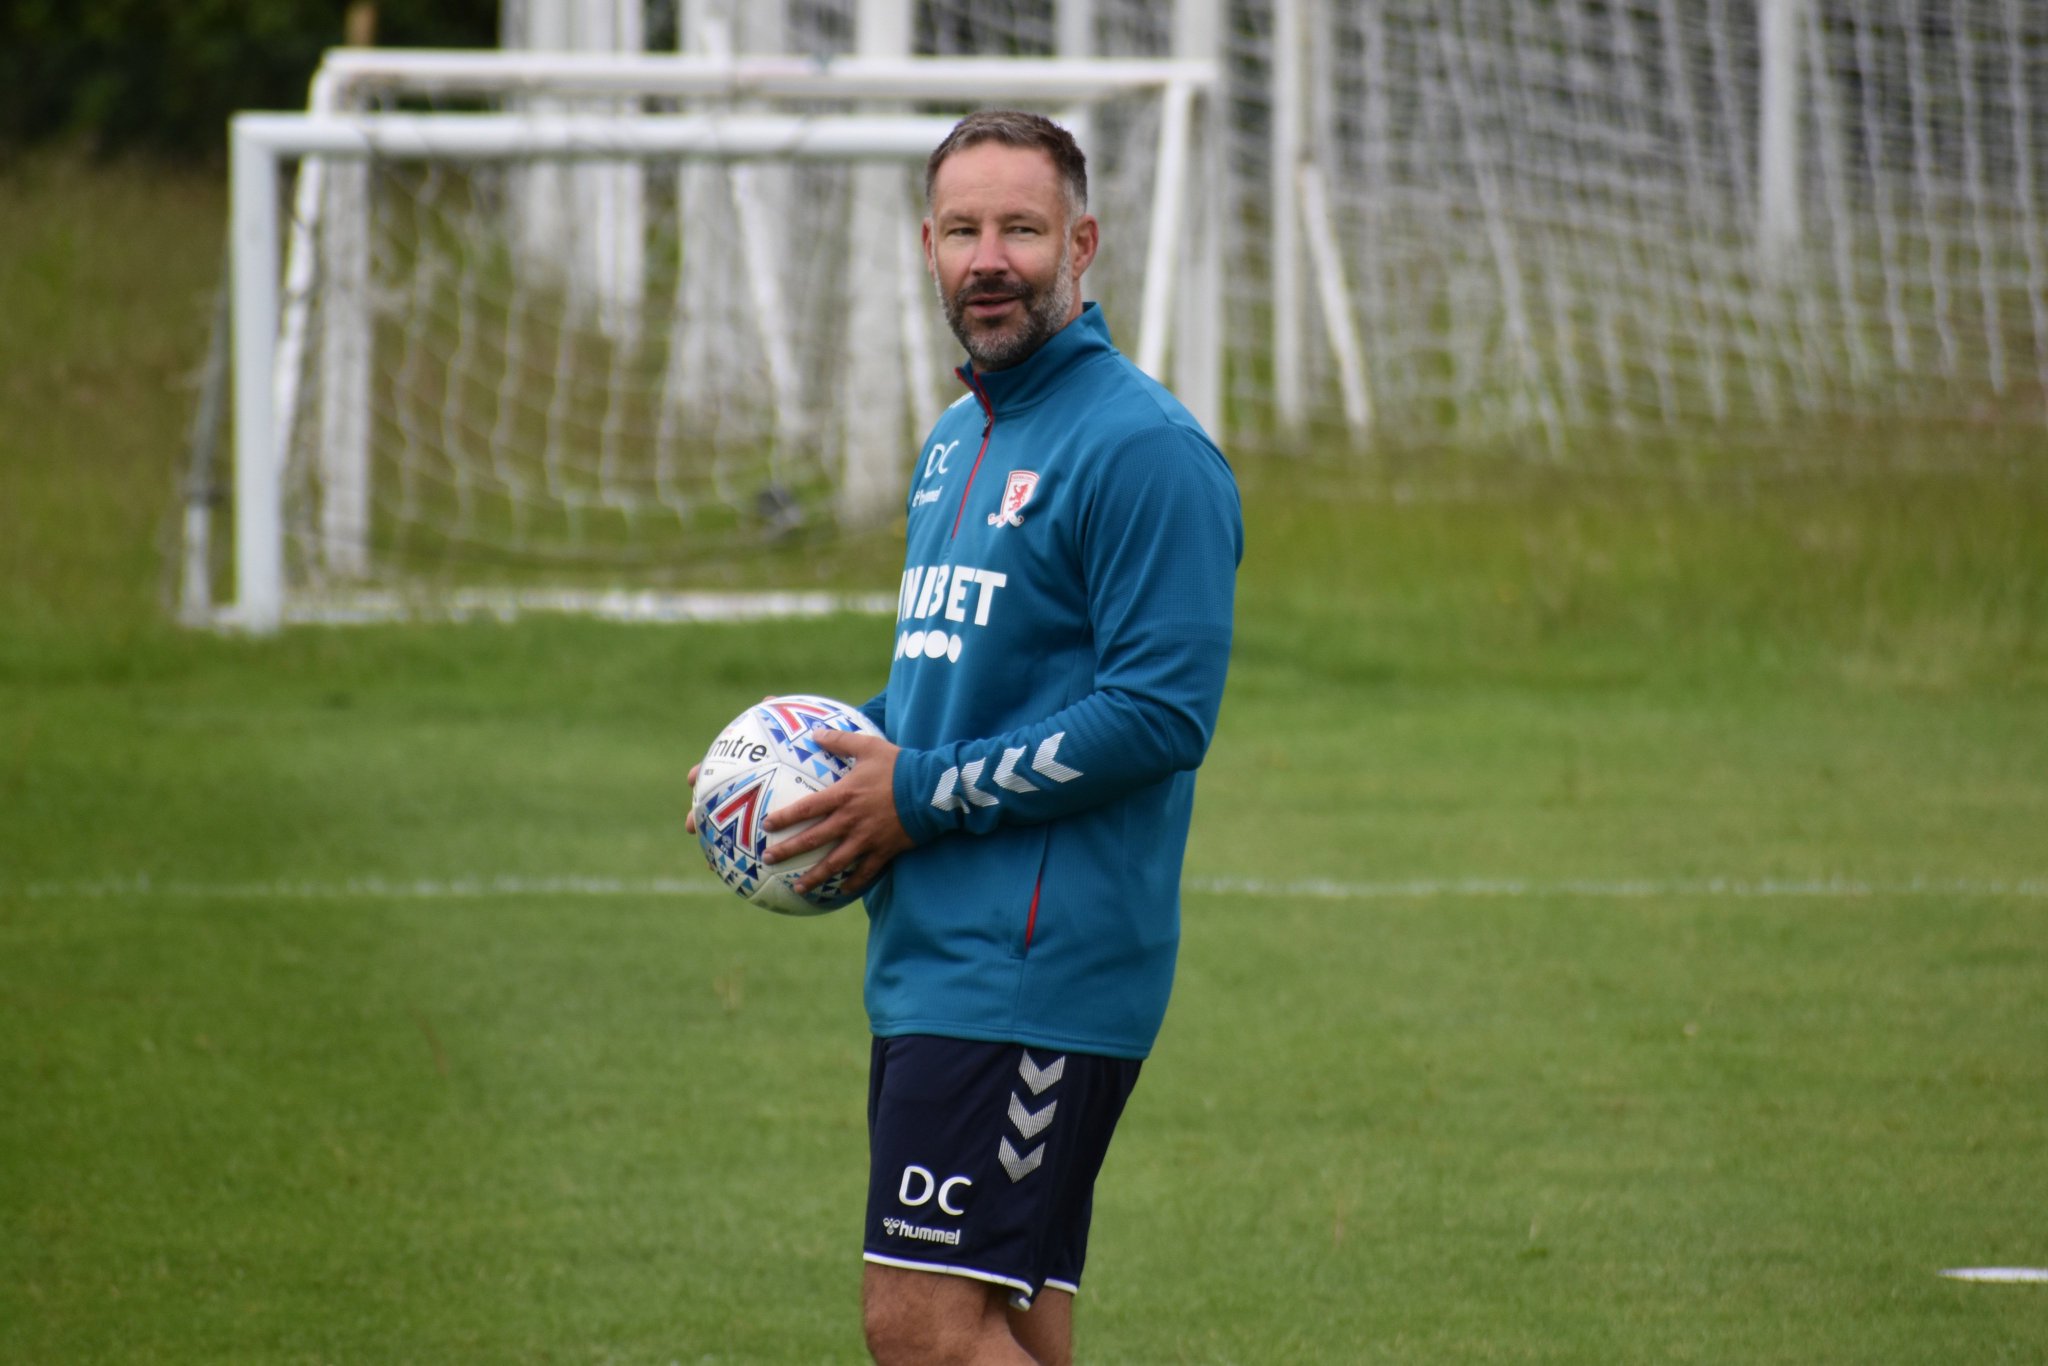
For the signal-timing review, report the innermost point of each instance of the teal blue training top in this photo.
(1061, 639)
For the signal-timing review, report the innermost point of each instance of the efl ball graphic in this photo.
(767, 758)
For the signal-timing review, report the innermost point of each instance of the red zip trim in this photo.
(988, 425)
(1031, 925)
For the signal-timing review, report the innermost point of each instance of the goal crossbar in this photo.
(481, 137)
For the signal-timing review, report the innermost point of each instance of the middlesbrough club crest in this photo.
(1016, 494)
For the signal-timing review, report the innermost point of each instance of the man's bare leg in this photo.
(926, 1318)
(1047, 1330)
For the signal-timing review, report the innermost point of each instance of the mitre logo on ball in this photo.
(768, 757)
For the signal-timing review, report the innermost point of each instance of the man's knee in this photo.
(913, 1318)
(897, 1333)
(894, 1335)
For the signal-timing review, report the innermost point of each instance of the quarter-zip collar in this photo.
(1021, 385)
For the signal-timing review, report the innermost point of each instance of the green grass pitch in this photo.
(1617, 928)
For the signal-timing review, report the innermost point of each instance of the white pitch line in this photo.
(1999, 1275)
(482, 888)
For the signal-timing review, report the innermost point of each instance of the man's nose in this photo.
(989, 257)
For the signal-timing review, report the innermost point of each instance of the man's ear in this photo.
(1087, 236)
(931, 262)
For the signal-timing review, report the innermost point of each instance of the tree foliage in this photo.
(145, 76)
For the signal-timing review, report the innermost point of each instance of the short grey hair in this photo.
(1016, 128)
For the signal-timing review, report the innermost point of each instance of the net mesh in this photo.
(527, 410)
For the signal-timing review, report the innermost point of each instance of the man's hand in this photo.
(857, 813)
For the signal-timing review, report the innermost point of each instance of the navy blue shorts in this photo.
(982, 1158)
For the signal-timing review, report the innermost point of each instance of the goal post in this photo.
(335, 545)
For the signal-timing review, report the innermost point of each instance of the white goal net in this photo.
(1578, 229)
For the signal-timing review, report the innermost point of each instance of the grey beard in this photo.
(1045, 312)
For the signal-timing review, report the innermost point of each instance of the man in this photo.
(1062, 635)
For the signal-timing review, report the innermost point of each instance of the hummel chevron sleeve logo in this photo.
(970, 774)
(1006, 772)
(1044, 762)
(959, 785)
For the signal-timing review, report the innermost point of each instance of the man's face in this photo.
(1005, 258)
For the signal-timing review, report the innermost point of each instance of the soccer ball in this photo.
(767, 758)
